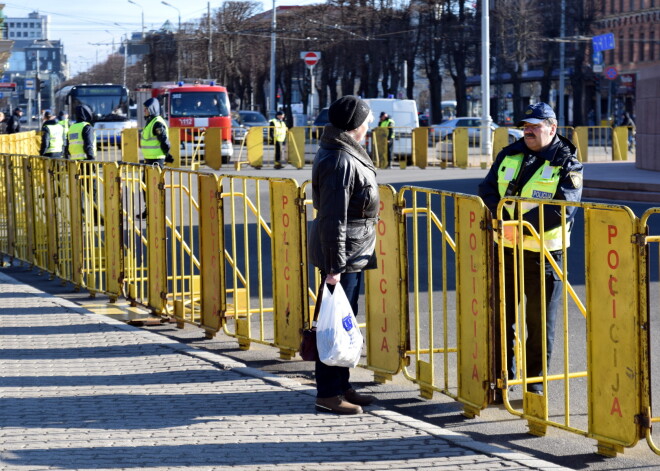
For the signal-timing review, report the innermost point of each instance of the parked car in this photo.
(444, 130)
(238, 132)
(251, 119)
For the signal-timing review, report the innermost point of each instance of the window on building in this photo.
(621, 48)
(642, 47)
(631, 47)
(652, 45)
(25, 34)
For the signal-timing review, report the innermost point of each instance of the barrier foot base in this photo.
(209, 334)
(286, 354)
(382, 378)
(426, 393)
(609, 449)
(180, 324)
(470, 412)
(244, 344)
(536, 429)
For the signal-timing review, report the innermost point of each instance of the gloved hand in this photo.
(89, 158)
(169, 159)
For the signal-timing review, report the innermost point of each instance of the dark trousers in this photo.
(390, 151)
(532, 322)
(334, 380)
(156, 162)
(278, 151)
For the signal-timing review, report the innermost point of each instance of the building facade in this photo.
(34, 27)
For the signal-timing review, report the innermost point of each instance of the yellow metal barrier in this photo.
(6, 209)
(253, 248)
(649, 263)
(108, 145)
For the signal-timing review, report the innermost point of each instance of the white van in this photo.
(404, 114)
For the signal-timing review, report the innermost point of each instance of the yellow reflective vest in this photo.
(279, 128)
(388, 123)
(149, 142)
(543, 186)
(56, 141)
(76, 144)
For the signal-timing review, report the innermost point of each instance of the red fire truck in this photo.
(192, 107)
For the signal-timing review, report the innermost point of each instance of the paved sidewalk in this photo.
(82, 391)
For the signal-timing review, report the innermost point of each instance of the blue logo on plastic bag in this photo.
(347, 322)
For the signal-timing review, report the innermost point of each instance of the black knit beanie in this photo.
(348, 112)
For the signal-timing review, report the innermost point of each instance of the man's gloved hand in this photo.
(89, 158)
(169, 159)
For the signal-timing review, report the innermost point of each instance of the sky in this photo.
(88, 28)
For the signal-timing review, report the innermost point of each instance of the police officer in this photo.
(81, 141)
(278, 131)
(387, 122)
(52, 137)
(154, 142)
(544, 165)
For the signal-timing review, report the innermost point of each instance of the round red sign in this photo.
(311, 58)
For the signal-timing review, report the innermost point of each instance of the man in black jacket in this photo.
(542, 165)
(14, 122)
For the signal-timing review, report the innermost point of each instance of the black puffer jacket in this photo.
(342, 238)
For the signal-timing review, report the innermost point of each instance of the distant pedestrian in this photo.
(81, 141)
(277, 133)
(52, 137)
(14, 121)
(2, 122)
(155, 141)
(387, 122)
(342, 238)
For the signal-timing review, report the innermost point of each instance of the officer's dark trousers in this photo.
(155, 162)
(334, 380)
(278, 151)
(532, 322)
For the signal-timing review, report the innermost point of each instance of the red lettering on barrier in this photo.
(616, 407)
(475, 307)
(613, 308)
(612, 232)
(383, 286)
(473, 267)
(384, 328)
(384, 345)
(284, 238)
(285, 201)
(610, 284)
(473, 218)
(475, 373)
(475, 354)
(382, 227)
(473, 241)
(285, 220)
(380, 248)
(613, 264)
(383, 305)
(286, 273)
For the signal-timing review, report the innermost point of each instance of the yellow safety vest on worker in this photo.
(149, 143)
(542, 185)
(76, 144)
(388, 123)
(56, 141)
(280, 129)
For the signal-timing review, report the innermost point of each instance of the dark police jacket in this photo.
(342, 238)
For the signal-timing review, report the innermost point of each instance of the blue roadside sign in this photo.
(603, 42)
(598, 58)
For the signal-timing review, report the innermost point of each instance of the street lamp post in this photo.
(132, 2)
(178, 48)
(273, 43)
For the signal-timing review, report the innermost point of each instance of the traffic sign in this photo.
(603, 42)
(8, 86)
(311, 58)
(610, 73)
(29, 84)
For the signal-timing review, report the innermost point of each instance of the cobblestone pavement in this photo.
(80, 391)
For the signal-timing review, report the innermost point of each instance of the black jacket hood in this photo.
(153, 106)
(84, 113)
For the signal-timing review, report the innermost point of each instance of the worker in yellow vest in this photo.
(52, 137)
(154, 142)
(543, 166)
(387, 122)
(278, 131)
(81, 140)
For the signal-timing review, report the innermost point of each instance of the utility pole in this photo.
(272, 105)
(486, 147)
(562, 64)
(210, 50)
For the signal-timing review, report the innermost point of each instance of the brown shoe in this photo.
(336, 405)
(354, 397)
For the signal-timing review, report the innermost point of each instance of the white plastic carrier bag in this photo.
(338, 337)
